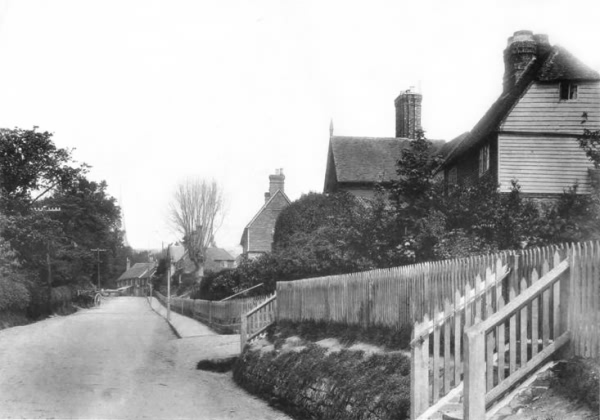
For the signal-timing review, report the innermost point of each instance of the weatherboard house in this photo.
(257, 238)
(530, 133)
(358, 164)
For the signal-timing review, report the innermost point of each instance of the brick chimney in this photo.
(128, 264)
(521, 49)
(276, 182)
(408, 114)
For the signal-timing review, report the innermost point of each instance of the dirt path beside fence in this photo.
(119, 361)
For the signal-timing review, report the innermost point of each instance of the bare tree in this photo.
(196, 212)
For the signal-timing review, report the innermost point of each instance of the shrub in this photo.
(14, 296)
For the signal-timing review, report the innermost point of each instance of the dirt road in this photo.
(118, 361)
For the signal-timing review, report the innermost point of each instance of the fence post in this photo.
(419, 372)
(243, 332)
(474, 377)
(566, 283)
(210, 313)
(512, 281)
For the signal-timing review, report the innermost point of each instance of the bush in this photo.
(14, 296)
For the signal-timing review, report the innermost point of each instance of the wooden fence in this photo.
(392, 297)
(223, 316)
(498, 332)
(258, 320)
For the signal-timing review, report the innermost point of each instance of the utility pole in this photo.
(98, 250)
(45, 209)
(169, 282)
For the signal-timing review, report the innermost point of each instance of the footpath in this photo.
(207, 345)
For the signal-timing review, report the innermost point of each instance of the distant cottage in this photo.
(357, 164)
(257, 238)
(530, 133)
(216, 259)
(137, 278)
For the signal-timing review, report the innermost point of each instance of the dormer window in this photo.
(568, 91)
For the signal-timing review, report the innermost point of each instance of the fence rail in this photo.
(258, 319)
(488, 373)
(494, 334)
(223, 316)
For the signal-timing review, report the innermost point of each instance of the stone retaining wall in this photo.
(312, 382)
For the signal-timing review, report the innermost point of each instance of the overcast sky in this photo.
(149, 92)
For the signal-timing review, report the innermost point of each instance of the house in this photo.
(530, 133)
(357, 164)
(216, 259)
(257, 238)
(137, 277)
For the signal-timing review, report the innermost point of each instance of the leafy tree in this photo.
(30, 166)
(35, 174)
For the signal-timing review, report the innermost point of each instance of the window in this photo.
(484, 159)
(568, 91)
(453, 176)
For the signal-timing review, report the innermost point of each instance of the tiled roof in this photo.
(218, 254)
(562, 65)
(370, 159)
(366, 159)
(138, 270)
(556, 64)
(449, 146)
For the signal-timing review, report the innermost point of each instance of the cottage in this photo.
(137, 278)
(257, 238)
(218, 259)
(357, 164)
(530, 133)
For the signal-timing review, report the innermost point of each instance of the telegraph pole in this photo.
(98, 250)
(169, 282)
(45, 209)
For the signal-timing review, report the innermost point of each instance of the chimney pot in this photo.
(276, 182)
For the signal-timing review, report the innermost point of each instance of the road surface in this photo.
(118, 361)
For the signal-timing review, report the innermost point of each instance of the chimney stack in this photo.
(521, 49)
(128, 264)
(408, 114)
(276, 182)
(267, 196)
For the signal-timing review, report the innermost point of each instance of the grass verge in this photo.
(385, 337)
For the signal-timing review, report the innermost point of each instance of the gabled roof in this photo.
(218, 254)
(267, 204)
(562, 65)
(139, 270)
(365, 159)
(263, 208)
(557, 64)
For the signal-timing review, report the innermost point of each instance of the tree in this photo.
(196, 212)
(31, 166)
